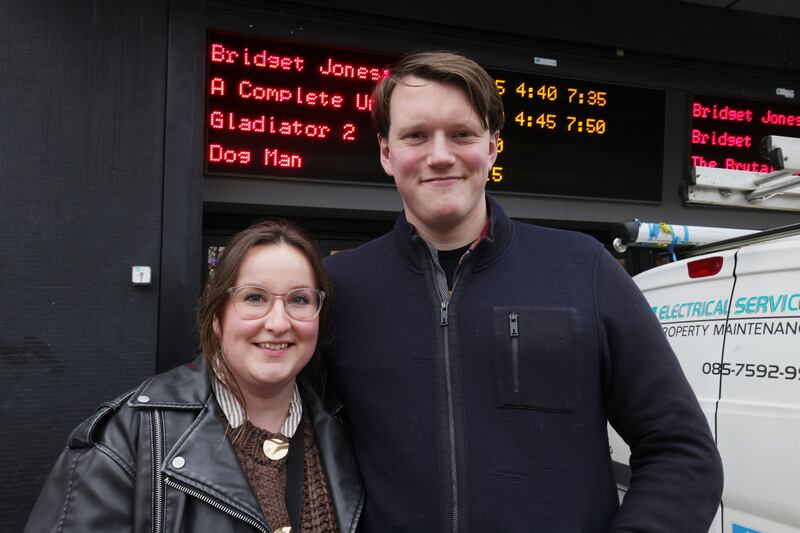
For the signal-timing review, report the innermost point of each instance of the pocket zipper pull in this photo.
(512, 323)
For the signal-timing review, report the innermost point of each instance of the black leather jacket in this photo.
(105, 479)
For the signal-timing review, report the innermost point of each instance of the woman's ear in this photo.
(217, 328)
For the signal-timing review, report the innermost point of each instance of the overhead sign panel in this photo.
(281, 109)
(726, 132)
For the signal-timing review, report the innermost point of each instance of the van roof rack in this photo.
(691, 241)
(744, 240)
(669, 236)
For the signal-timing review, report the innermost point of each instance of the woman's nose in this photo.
(277, 320)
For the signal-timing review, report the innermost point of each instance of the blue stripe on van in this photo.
(741, 529)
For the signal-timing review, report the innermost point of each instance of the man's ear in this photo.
(386, 161)
(494, 139)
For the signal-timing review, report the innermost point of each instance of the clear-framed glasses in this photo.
(252, 301)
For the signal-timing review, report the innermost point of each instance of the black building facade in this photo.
(103, 153)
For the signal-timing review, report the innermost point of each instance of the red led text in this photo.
(700, 161)
(752, 166)
(268, 124)
(721, 139)
(349, 132)
(273, 157)
(299, 96)
(363, 102)
(217, 153)
(734, 144)
(733, 164)
(217, 86)
(262, 59)
(345, 70)
(780, 119)
(722, 113)
(287, 109)
(247, 90)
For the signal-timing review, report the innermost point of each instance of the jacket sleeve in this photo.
(676, 481)
(90, 488)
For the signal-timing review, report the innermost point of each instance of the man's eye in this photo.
(464, 134)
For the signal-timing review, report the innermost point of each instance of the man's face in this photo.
(439, 154)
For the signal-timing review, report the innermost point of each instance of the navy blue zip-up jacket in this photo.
(486, 410)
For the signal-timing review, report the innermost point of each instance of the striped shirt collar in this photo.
(236, 415)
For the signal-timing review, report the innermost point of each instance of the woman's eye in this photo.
(254, 298)
(299, 300)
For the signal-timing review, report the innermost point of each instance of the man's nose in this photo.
(440, 153)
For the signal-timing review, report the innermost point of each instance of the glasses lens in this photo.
(251, 302)
(303, 304)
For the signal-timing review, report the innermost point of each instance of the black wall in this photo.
(661, 27)
(101, 113)
(82, 100)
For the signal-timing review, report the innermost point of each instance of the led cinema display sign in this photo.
(726, 132)
(301, 111)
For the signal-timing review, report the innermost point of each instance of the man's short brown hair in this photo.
(445, 67)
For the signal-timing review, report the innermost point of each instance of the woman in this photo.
(237, 440)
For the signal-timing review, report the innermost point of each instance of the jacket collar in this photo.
(406, 241)
(209, 462)
(185, 387)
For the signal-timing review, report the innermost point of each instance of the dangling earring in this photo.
(218, 363)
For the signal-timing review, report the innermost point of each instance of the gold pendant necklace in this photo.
(276, 448)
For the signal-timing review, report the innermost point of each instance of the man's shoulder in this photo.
(369, 251)
(535, 237)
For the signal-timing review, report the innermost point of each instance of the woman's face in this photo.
(266, 354)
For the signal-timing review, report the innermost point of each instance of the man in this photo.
(479, 359)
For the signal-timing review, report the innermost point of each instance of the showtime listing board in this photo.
(726, 132)
(282, 109)
(295, 110)
(571, 137)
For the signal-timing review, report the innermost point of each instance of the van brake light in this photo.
(708, 266)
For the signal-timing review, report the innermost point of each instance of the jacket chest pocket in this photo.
(536, 355)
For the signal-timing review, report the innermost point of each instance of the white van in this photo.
(731, 312)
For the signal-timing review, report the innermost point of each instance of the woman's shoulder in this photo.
(184, 387)
(118, 421)
(87, 432)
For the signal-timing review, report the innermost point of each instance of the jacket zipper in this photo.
(450, 414)
(158, 458)
(513, 324)
(162, 482)
(440, 282)
(224, 508)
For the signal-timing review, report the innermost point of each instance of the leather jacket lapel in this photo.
(340, 467)
(204, 459)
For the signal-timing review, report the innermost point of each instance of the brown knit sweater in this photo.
(268, 480)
